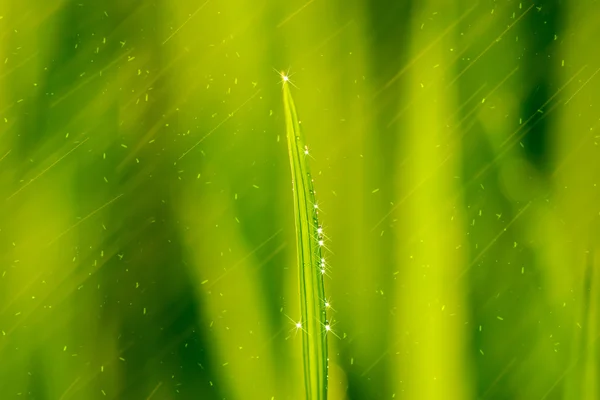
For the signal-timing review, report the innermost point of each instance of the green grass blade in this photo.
(312, 293)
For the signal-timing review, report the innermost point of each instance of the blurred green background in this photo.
(147, 244)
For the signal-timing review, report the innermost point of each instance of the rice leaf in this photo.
(311, 264)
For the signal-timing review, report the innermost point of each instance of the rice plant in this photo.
(311, 264)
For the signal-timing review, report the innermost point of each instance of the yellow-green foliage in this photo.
(147, 249)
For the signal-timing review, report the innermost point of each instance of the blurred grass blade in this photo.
(312, 295)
